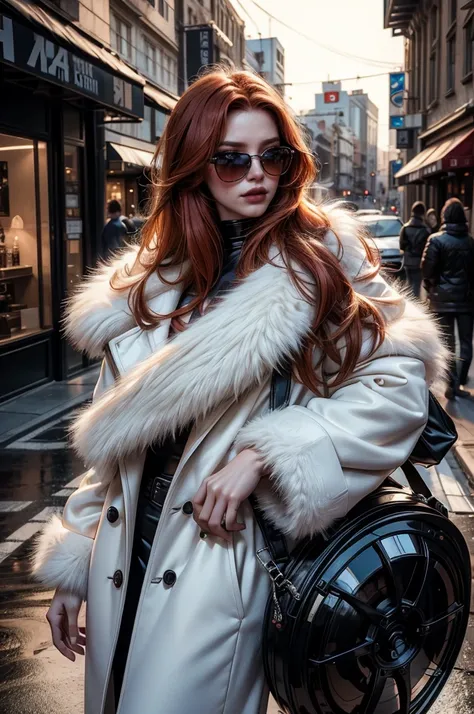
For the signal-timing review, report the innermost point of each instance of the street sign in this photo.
(331, 97)
(199, 49)
(405, 138)
(397, 122)
(395, 166)
(397, 87)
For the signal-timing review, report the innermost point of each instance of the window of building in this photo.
(450, 62)
(453, 8)
(150, 58)
(190, 16)
(163, 8)
(120, 36)
(468, 49)
(151, 2)
(434, 23)
(280, 58)
(433, 94)
(433, 62)
(25, 260)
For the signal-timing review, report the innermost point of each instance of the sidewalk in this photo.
(29, 411)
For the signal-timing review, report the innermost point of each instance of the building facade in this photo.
(63, 86)
(439, 63)
(268, 54)
(356, 116)
(143, 34)
(208, 31)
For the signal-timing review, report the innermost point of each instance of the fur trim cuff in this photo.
(300, 497)
(61, 558)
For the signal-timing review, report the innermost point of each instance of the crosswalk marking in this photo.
(14, 506)
(46, 514)
(27, 530)
(16, 539)
(64, 492)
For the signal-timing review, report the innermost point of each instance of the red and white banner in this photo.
(331, 97)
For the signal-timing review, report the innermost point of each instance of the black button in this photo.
(112, 514)
(169, 577)
(188, 508)
(118, 579)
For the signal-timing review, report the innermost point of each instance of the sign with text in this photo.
(200, 50)
(26, 49)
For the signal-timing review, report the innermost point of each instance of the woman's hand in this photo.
(221, 494)
(62, 617)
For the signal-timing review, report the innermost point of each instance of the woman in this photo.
(432, 220)
(160, 535)
(448, 273)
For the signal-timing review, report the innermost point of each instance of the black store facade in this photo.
(59, 90)
(445, 167)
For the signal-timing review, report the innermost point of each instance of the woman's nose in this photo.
(256, 171)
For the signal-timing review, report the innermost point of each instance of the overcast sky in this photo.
(352, 27)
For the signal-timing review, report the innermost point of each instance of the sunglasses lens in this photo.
(276, 161)
(232, 166)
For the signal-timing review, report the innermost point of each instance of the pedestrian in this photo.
(432, 220)
(448, 272)
(413, 237)
(117, 229)
(237, 273)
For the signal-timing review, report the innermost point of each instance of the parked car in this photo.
(369, 212)
(385, 232)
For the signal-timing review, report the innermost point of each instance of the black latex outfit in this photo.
(160, 465)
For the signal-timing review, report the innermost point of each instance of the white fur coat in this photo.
(228, 352)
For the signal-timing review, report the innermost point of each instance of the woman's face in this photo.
(249, 131)
(432, 220)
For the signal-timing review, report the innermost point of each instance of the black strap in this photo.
(274, 540)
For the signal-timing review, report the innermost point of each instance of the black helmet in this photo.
(383, 609)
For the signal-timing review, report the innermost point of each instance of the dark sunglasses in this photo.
(235, 165)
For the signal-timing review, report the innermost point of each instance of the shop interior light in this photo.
(16, 148)
(17, 223)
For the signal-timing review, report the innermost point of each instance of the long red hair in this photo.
(182, 227)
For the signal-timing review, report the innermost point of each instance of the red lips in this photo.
(257, 191)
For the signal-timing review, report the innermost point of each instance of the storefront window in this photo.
(73, 233)
(25, 285)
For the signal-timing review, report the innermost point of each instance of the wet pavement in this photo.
(34, 678)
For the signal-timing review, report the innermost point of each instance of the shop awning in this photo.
(37, 42)
(455, 152)
(158, 97)
(129, 155)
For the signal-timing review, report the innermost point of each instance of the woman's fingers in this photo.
(231, 522)
(73, 630)
(215, 521)
(58, 638)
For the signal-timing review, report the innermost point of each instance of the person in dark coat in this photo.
(413, 237)
(448, 273)
(117, 230)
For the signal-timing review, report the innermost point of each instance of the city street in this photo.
(36, 477)
(207, 135)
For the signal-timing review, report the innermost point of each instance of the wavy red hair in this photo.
(182, 227)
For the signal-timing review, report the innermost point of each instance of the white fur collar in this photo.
(220, 357)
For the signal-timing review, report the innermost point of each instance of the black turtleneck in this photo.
(233, 234)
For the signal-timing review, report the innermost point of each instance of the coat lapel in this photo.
(216, 361)
(221, 356)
